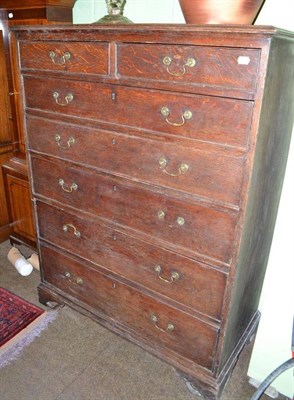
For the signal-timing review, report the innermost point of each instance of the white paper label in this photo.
(243, 60)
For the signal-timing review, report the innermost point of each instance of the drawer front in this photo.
(209, 173)
(193, 226)
(161, 325)
(179, 278)
(86, 58)
(210, 66)
(204, 118)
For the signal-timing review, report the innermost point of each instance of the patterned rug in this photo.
(20, 323)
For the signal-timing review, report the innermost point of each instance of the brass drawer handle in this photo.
(173, 277)
(170, 327)
(167, 61)
(75, 231)
(77, 280)
(185, 116)
(180, 221)
(61, 60)
(72, 187)
(161, 216)
(181, 170)
(69, 143)
(67, 99)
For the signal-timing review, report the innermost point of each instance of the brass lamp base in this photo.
(113, 19)
(115, 9)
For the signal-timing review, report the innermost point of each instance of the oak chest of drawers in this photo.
(157, 156)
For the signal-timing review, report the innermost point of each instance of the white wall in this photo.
(279, 13)
(273, 341)
(272, 345)
(138, 11)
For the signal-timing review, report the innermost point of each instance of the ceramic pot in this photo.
(220, 11)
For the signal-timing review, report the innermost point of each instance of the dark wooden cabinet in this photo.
(16, 219)
(6, 136)
(156, 157)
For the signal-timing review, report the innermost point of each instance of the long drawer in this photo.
(158, 323)
(179, 278)
(206, 118)
(181, 223)
(197, 65)
(70, 57)
(205, 171)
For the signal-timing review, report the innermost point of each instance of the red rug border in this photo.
(31, 315)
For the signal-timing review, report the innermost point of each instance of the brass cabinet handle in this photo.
(173, 277)
(181, 170)
(170, 327)
(167, 61)
(72, 187)
(75, 231)
(67, 99)
(185, 116)
(69, 142)
(77, 280)
(61, 60)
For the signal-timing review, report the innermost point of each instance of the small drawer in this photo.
(232, 68)
(203, 170)
(159, 324)
(205, 118)
(72, 57)
(179, 278)
(183, 224)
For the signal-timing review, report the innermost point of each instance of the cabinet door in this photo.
(20, 209)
